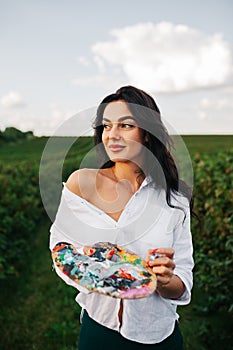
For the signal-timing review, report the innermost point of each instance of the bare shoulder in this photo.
(82, 182)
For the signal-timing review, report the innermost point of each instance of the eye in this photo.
(106, 126)
(127, 126)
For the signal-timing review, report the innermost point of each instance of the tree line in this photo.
(12, 135)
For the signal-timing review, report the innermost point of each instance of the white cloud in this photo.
(43, 122)
(12, 100)
(103, 79)
(83, 61)
(216, 109)
(18, 119)
(219, 103)
(202, 115)
(165, 57)
(56, 115)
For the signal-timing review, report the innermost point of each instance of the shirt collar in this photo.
(148, 180)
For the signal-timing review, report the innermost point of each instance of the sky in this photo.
(59, 58)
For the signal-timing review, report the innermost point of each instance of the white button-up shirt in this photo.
(146, 222)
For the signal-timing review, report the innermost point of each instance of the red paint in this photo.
(91, 251)
(124, 274)
(154, 251)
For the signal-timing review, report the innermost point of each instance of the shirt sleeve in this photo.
(183, 257)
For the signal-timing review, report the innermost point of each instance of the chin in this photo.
(125, 158)
(119, 159)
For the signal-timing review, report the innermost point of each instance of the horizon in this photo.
(78, 136)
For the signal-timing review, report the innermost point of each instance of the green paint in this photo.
(137, 261)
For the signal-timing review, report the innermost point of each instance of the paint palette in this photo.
(106, 269)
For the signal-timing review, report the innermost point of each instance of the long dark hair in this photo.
(158, 142)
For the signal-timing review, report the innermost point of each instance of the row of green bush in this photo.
(21, 209)
(12, 134)
(213, 236)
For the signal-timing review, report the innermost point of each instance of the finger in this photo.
(163, 271)
(169, 252)
(163, 261)
(166, 251)
(158, 252)
(152, 254)
(152, 251)
(163, 280)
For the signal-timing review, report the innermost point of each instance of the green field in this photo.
(207, 143)
(32, 150)
(38, 310)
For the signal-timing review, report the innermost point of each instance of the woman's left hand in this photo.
(162, 264)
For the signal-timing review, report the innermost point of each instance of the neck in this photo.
(128, 171)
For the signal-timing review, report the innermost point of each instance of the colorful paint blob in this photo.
(106, 269)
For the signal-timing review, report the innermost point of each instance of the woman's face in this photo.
(122, 138)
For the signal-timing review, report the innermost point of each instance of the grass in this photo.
(23, 150)
(207, 143)
(39, 309)
(32, 149)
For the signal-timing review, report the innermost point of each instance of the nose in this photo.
(114, 132)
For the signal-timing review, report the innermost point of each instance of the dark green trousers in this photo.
(94, 336)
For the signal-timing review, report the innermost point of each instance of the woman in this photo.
(135, 199)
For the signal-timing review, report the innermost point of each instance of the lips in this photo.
(116, 148)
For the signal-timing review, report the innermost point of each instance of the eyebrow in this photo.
(121, 119)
